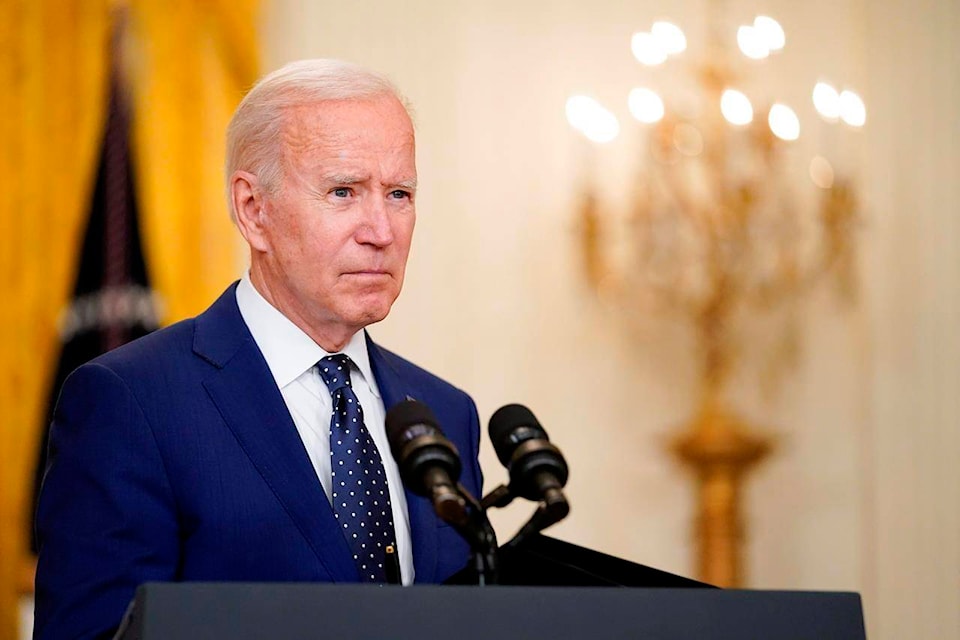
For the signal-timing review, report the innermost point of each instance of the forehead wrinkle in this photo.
(312, 143)
(298, 139)
(308, 125)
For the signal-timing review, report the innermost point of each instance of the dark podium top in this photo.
(243, 611)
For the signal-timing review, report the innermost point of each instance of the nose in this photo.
(376, 227)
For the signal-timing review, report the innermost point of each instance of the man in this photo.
(211, 450)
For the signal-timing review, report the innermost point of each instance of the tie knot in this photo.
(335, 371)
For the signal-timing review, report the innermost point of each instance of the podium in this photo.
(248, 611)
(604, 597)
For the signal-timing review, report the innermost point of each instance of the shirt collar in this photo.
(289, 351)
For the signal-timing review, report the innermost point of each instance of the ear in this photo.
(249, 206)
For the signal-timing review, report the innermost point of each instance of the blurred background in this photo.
(739, 327)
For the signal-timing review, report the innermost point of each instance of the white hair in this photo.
(254, 132)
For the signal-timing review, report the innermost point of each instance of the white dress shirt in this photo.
(291, 356)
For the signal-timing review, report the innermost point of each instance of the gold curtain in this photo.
(192, 61)
(189, 64)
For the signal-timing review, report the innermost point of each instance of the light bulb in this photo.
(852, 109)
(736, 107)
(670, 37)
(645, 105)
(826, 100)
(784, 122)
(752, 43)
(771, 32)
(647, 49)
(592, 119)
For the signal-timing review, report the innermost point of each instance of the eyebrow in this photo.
(343, 178)
(351, 179)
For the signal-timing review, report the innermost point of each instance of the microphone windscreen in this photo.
(405, 414)
(509, 426)
(420, 448)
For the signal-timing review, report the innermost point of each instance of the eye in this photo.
(341, 192)
(400, 194)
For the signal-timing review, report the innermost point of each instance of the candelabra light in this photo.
(717, 230)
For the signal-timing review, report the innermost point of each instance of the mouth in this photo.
(368, 274)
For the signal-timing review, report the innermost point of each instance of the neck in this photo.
(330, 338)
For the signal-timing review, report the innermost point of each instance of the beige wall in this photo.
(864, 492)
(913, 549)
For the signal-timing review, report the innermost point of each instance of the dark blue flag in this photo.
(112, 301)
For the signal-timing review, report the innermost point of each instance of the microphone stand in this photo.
(551, 510)
(476, 529)
(483, 540)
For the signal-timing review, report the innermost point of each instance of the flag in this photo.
(112, 300)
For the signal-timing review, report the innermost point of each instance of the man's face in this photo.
(337, 232)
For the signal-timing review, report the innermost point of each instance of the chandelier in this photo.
(719, 229)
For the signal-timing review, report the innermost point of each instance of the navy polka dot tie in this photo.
(361, 501)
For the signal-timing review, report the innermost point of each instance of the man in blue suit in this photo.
(205, 451)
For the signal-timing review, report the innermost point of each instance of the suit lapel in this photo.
(423, 520)
(250, 403)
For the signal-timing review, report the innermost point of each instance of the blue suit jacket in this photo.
(175, 458)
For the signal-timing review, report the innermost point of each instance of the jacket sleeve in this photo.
(106, 519)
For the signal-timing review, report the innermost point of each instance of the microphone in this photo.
(537, 468)
(429, 463)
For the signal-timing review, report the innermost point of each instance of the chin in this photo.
(371, 312)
